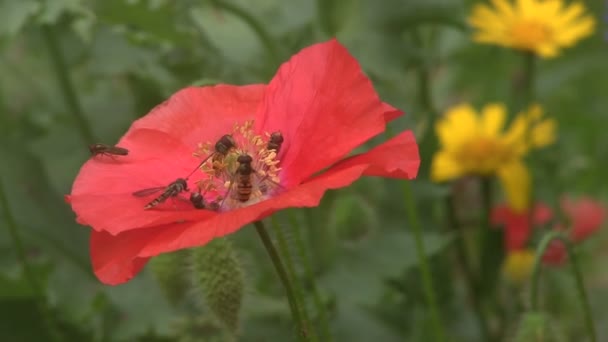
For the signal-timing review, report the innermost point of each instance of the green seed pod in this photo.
(218, 276)
(171, 271)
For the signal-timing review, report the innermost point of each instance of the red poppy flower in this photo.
(585, 215)
(517, 224)
(320, 101)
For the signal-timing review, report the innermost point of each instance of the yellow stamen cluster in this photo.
(223, 183)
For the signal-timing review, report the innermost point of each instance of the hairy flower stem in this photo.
(427, 280)
(67, 87)
(27, 269)
(576, 272)
(471, 281)
(303, 331)
(310, 278)
(291, 273)
(255, 25)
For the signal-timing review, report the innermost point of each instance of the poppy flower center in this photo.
(529, 34)
(240, 169)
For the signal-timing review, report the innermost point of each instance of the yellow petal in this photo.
(543, 134)
(445, 167)
(515, 181)
(518, 266)
(515, 137)
(493, 119)
(457, 127)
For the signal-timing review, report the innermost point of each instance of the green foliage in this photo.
(123, 57)
(218, 277)
(173, 274)
(535, 327)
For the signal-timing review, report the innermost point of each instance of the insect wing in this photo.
(148, 191)
(117, 151)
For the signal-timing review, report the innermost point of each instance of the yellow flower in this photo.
(519, 265)
(472, 144)
(539, 26)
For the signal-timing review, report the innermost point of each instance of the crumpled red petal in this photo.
(201, 114)
(325, 107)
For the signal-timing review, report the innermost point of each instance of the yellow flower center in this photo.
(528, 34)
(483, 155)
(241, 170)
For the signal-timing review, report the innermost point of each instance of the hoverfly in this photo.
(171, 190)
(222, 147)
(275, 141)
(243, 177)
(108, 150)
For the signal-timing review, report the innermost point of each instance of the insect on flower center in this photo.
(239, 169)
(528, 34)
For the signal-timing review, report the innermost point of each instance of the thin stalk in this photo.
(303, 332)
(528, 90)
(67, 87)
(255, 25)
(301, 250)
(291, 273)
(576, 272)
(11, 224)
(427, 280)
(469, 277)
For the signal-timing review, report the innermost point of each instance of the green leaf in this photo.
(358, 276)
(334, 15)
(172, 272)
(158, 22)
(14, 15)
(535, 327)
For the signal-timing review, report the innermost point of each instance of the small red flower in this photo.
(555, 254)
(320, 101)
(517, 224)
(585, 216)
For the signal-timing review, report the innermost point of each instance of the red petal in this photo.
(516, 224)
(118, 258)
(555, 254)
(586, 216)
(102, 192)
(542, 214)
(396, 158)
(114, 258)
(201, 114)
(325, 107)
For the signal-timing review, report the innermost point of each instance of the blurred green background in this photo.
(111, 61)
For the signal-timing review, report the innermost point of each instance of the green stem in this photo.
(303, 331)
(67, 88)
(11, 223)
(469, 277)
(255, 25)
(576, 272)
(291, 273)
(301, 249)
(529, 78)
(427, 280)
